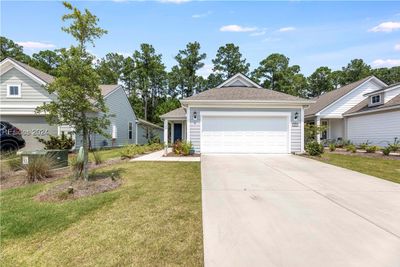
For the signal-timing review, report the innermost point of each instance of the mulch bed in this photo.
(17, 178)
(361, 153)
(172, 154)
(80, 188)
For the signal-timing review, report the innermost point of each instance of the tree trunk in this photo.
(85, 137)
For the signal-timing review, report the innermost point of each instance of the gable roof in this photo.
(384, 89)
(47, 78)
(176, 113)
(362, 107)
(328, 98)
(243, 94)
(239, 78)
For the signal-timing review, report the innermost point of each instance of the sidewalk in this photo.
(159, 156)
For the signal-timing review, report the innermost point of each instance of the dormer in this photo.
(384, 95)
(239, 80)
(375, 100)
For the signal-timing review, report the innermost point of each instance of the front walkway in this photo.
(285, 210)
(159, 156)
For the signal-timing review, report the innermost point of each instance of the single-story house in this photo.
(239, 116)
(376, 119)
(22, 91)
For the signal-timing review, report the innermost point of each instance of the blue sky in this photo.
(311, 34)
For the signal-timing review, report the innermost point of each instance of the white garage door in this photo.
(240, 134)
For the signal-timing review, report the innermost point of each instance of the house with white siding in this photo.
(22, 91)
(364, 111)
(239, 116)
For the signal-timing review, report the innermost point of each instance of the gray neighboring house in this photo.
(22, 90)
(366, 110)
(239, 116)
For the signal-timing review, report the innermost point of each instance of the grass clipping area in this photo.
(153, 219)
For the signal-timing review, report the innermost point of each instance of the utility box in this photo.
(59, 156)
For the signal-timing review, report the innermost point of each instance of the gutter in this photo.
(372, 111)
(247, 102)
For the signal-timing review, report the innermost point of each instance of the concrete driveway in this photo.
(285, 210)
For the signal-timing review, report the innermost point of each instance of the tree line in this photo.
(153, 90)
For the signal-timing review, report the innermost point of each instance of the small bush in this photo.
(351, 148)
(364, 145)
(128, 151)
(314, 148)
(332, 147)
(386, 151)
(343, 143)
(177, 147)
(98, 159)
(186, 147)
(38, 168)
(395, 146)
(371, 149)
(57, 142)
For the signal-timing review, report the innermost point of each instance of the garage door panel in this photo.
(224, 134)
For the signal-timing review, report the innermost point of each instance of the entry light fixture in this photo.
(195, 115)
(296, 116)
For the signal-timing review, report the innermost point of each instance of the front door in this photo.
(177, 131)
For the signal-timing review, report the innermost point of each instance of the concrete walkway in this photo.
(159, 156)
(290, 211)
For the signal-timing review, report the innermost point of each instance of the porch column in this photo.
(318, 124)
(165, 136)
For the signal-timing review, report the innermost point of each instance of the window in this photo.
(13, 90)
(376, 99)
(130, 130)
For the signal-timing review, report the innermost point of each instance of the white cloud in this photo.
(35, 45)
(381, 63)
(174, 1)
(202, 15)
(259, 32)
(237, 28)
(397, 47)
(386, 27)
(287, 29)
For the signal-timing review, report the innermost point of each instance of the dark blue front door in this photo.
(177, 131)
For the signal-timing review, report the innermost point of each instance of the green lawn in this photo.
(107, 153)
(388, 169)
(153, 219)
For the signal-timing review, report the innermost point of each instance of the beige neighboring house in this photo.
(22, 90)
(366, 110)
(239, 116)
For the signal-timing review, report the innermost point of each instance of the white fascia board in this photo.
(380, 91)
(23, 70)
(372, 111)
(249, 103)
(241, 76)
(337, 100)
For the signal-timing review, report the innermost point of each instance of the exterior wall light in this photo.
(195, 116)
(296, 116)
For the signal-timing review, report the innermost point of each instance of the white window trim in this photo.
(130, 122)
(375, 103)
(19, 90)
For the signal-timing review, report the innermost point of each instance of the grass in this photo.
(153, 219)
(388, 169)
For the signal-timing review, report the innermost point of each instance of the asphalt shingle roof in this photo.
(363, 106)
(243, 93)
(176, 113)
(326, 99)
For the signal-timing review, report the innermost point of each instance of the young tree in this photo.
(229, 61)
(189, 62)
(79, 101)
(320, 81)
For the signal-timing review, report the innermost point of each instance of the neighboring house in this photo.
(376, 119)
(329, 108)
(239, 116)
(22, 90)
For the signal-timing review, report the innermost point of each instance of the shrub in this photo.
(314, 149)
(154, 140)
(395, 146)
(128, 151)
(371, 149)
(332, 147)
(38, 168)
(186, 147)
(343, 143)
(57, 142)
(98, 159)
(311, 131)
(364, 146)
(177, 147)
(351, 148)
(386, 151)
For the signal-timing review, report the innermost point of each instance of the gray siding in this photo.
(31, 126)
(143, 133)
(32, 93)
(121, 113)
(195, 125)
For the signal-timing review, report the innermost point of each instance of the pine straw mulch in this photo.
(362, 153)
(172, 154)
